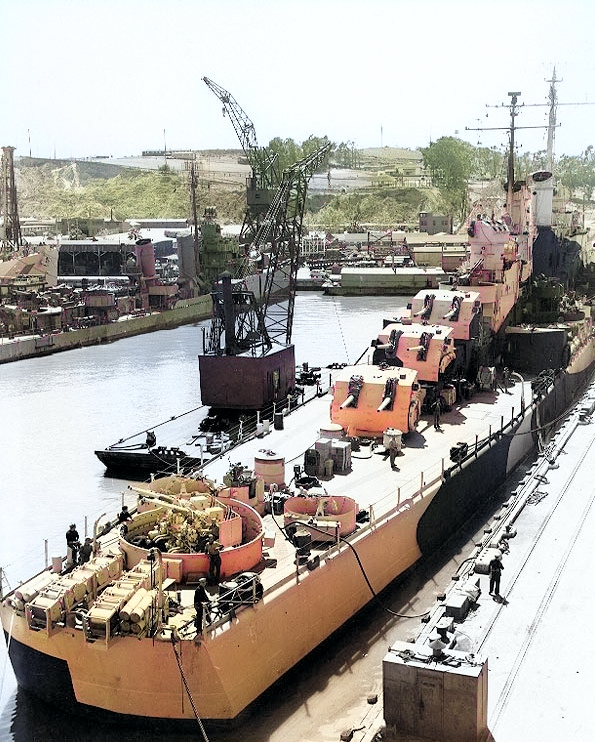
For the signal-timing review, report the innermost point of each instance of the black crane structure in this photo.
(282, 229)
(265, 176)
(241, 323)
(10, 237)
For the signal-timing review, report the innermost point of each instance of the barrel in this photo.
(392, 438)
(331, 430)
(270, 468)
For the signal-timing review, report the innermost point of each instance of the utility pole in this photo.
(194, 206)
(10, 237)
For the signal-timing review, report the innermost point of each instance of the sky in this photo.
(82, 78)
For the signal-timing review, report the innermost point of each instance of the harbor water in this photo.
(57, 410)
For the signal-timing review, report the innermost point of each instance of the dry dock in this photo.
(536, 636)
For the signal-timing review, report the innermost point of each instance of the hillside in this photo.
(152, 187)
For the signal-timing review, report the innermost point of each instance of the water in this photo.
(57, 410)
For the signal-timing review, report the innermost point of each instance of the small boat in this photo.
(141, 462)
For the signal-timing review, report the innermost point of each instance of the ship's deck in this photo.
(371, 482)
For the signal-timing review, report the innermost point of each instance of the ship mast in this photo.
(553, 104)
(514, 112)
(512, 128)
(551, 128)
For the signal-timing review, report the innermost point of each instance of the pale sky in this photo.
(107, 77)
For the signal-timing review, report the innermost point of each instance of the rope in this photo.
(179, 661)
(152, 427)
(341, 329)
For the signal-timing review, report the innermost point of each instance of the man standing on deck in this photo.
(213, 549)
(201, 599)
(437, 407)
(393, 452)
(124, 515)
(86, 551)
(72, 544)
(495, 569)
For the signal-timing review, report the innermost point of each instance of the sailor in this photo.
(437, 407)
(213, 549)
(124, 515)
(151, 439)
(86, 551)
(201, 600)
(495, 570)
(72, 544)
(506, 379)
(393, 452)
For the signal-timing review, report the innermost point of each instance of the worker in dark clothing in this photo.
(72, 544)
(495, 570)
(124, 515)
(437, 408)
(393, 452)
(213, 550)
(506, 379)
(86, 551)
(201, 601)
(151, 439)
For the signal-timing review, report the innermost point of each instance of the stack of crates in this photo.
(341, 455)
(104, 615)
(324, 448)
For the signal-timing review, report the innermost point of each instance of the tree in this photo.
(487, 163)
(450, 162)
(289, 152)
(577, 173)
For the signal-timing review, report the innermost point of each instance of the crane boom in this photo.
(263, 162)
(282, 229)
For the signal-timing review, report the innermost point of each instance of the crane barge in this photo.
(248, 360)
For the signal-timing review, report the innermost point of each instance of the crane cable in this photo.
(341, 331)
(384, 607)
(179, 661)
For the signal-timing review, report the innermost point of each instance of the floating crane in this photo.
(249, 361)
(265, 176)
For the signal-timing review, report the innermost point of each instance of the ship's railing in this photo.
(410, 492)
(249, 428)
